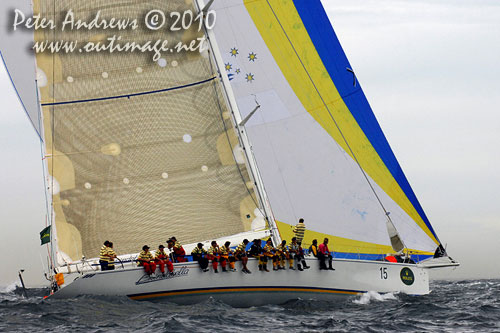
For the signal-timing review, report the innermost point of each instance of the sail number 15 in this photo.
(383, 273)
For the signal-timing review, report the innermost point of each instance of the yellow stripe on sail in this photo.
(279, 45)
(339, 244)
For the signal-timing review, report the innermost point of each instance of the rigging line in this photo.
(52, 212)
(331, 116)
(130, 95)
(44, 172)
(38, 99)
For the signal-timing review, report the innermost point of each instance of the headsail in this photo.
(139, 150)
(319, 148)
(19, 61)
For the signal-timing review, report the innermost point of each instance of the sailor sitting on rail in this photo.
(161, 258)
(293, 248)
(214, 255)
(270, 252)
(256, 252)
(241, 254)
(197, 254)
(314, 248)
(323, 254)
(282, 252)
(228, 255)
(146, 259)
(301, 257)
(179, 255)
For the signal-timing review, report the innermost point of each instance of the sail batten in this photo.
(130, 95)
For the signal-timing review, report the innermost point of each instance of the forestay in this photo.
(318, 145)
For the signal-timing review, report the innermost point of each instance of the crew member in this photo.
(270, 252)
(112, 257)
(314, 248)
(241, 254)
(301, 258)
(227, 254)
(146, 259)
(214, 255)
(299, 230)
(293, 249)
(161, 258)
(282, 252)
(179, 255)
(197, 254)
(106, 257)
(256, 252)
(323, 254)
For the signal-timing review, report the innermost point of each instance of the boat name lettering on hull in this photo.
(183, 271)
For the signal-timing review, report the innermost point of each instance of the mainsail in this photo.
(318, 145)
(138, 150)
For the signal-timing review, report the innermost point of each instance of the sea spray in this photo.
(367, 297)
(10, 288)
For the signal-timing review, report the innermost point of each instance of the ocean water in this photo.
(458, 306)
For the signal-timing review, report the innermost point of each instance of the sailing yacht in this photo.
(263, 125)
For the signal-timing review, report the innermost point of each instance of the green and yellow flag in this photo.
(45, 235)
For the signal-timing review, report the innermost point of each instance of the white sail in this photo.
(318, 146)
(19, 60)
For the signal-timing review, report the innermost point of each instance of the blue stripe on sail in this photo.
(335, 61)
(376, 257)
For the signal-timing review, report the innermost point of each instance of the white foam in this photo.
(10, 288)
(369, 296)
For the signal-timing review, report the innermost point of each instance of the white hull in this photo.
(190, 285)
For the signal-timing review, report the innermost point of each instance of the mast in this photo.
(240, 129)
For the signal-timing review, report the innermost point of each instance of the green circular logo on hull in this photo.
(407, 276)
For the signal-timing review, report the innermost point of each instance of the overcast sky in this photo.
(431, 72)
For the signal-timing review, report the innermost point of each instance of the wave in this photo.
(369, 296)
(10, 288)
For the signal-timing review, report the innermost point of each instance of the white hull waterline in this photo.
(189, 284)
